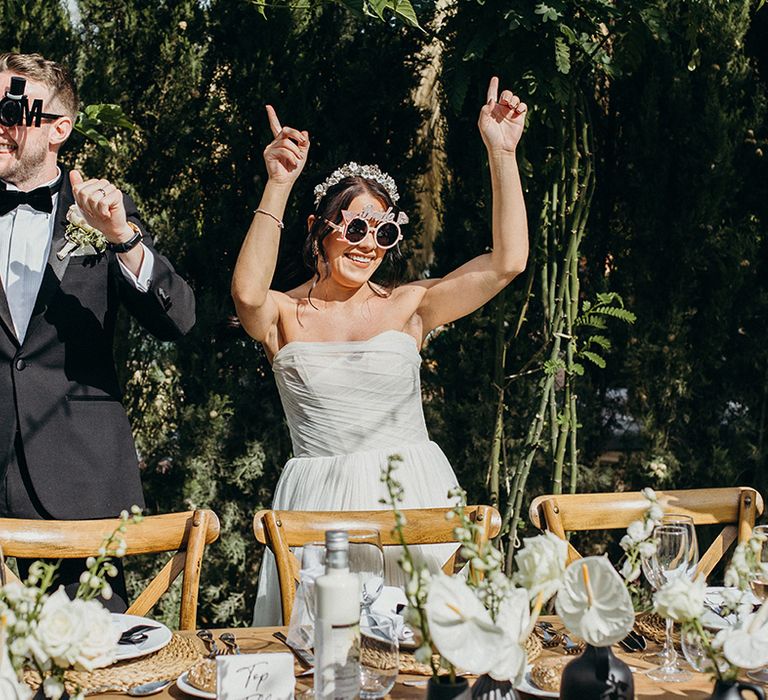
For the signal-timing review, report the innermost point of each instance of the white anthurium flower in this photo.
(514, 618)
(594, 603)
(681, 599)
(11, 688)
(540, 565)
(461, 627)
(746, 644)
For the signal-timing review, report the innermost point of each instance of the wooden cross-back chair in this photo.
(736, 508)
(187, 533)
(281, 530)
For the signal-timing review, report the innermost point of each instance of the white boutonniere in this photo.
(81, 238)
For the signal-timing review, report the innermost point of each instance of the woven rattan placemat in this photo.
(653, 626)
(408, 663)
(169, 662)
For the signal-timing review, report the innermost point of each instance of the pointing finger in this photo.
(493, 89)
(274, 122)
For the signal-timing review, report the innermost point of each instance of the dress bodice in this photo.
(351, 396)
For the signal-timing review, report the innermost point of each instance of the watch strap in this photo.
(130, 244)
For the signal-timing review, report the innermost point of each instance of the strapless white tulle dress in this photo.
(349, 406)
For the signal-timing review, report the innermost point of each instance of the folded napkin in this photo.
(388, 605)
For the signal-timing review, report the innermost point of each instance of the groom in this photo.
(66, 450)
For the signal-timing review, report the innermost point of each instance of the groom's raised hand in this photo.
(102, 205)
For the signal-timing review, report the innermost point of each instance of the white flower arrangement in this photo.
(476, 625)
(51, 633)
(741, 646)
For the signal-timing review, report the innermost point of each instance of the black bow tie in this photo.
(39, 199)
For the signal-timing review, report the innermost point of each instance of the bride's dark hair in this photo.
(338, 197)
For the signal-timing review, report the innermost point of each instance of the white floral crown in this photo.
(369, 172)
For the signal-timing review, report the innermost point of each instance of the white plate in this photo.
(156, 639)
(713, 621)
(528, 686)
(185, 687)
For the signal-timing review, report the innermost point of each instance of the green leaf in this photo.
(562, 56)
(615, 312)
(404, 10)
(568, 33)
(577, 368)
(600, 340)
(594, 358)
(94, 118)
(261, 7)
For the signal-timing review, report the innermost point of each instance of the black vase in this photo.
(486, 688)
(731, 690)
(441, 688)
(596, 675)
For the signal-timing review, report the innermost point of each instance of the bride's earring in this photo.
(315, 249)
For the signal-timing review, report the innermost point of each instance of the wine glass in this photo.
(379, 663)
(685, 521)
(760, 588)
(674, 558)
(312, 566)
(366, 559)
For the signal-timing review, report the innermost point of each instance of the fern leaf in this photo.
(594, 358)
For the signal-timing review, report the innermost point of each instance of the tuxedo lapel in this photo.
(5, 316)
(5, 311)
(55, 268)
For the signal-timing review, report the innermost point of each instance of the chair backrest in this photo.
(735, 507)
(281, 530)
(187, 533)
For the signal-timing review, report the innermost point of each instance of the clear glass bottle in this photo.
(337, 623)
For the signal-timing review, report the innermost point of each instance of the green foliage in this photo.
(94, 118)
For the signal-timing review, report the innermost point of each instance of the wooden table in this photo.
(259, 639)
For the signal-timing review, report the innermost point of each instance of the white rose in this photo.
(60, 629)
(541, 565)
(98, 646)
(681, 599)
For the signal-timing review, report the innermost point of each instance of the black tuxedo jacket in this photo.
(59, 387)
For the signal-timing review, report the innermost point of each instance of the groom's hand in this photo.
(102, 205)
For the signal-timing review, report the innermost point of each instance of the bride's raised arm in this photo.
(256, 306)
(467, 288)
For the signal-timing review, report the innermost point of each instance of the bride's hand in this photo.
(502, 119)
(286, 155)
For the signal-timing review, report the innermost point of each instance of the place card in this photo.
(255, 677)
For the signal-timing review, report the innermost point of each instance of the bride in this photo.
(344, 348)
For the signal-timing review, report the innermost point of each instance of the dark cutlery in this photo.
(306, 659)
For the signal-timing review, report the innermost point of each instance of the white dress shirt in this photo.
(25, 244)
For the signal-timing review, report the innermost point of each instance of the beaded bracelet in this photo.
(279, 223)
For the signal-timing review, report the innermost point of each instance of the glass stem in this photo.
(668, 653)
